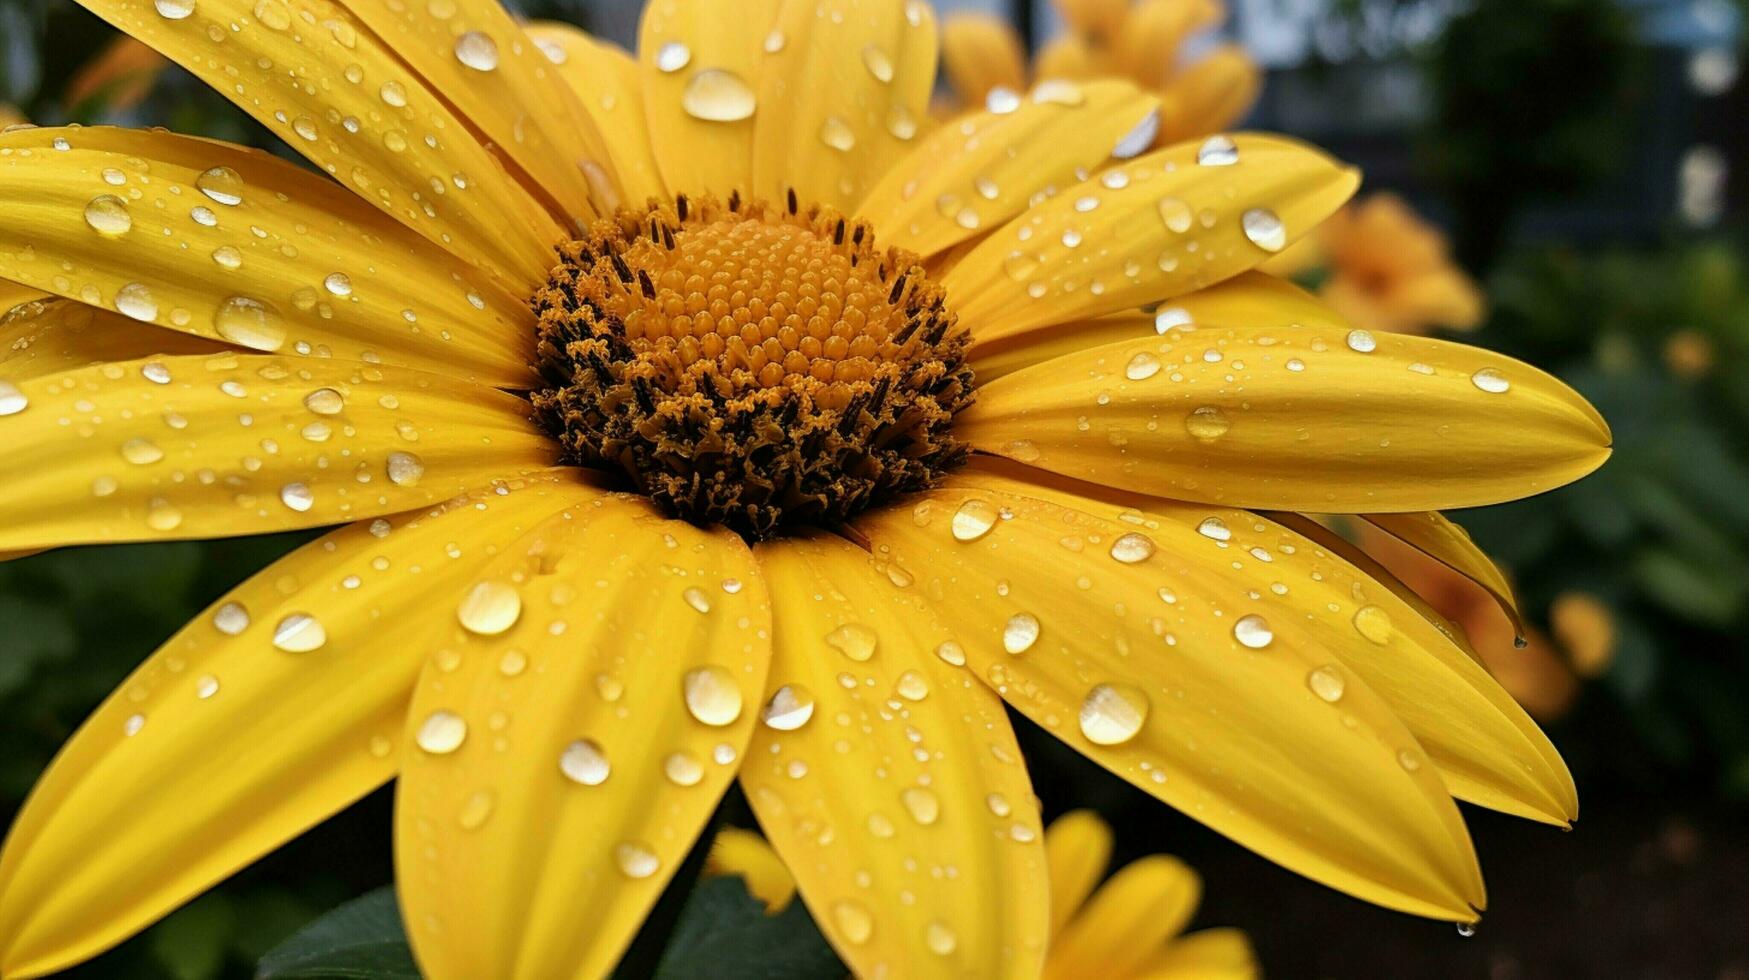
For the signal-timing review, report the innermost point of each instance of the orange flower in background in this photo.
(119, 78)
(1586, 630)
(1388, 269)
(1143, 42)
(10, 116)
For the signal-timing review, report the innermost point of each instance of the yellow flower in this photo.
(648, 472)
(1142, 42)
(1390, 270)
(1126, 928)
(1586, 628)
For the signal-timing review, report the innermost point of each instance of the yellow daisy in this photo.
(985, 59)
(636, 499)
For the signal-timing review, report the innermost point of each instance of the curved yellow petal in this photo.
(1209, 954)
(980, 171)
(475, 56)
(48, 336)
(16, 294)
(980, 53)
(278, 706)
(1487, 749)
(746, 855)
(573, 730)
(1102, 19)
(320, 80)
(1163, 225)
(1210, 95)
(262, 254)
(878, 765)
(611, 87)
(1317, 420)
(1077, 852)
(702, 63)
(1249, 299)
(1146, 903)
(1438, 537)
(1147, 48)
(1068, 57)
(843, 98)
(1132, 644)
(195, 447)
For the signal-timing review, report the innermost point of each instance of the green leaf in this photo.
(190, 945)
(360, 940)
(725, 934)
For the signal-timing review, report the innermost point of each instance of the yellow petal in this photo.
(980, 52)
(1077, 850)
(1439, 538)
(1211, 95)
(1318, 420)
(980, 172)
(899, 765)
(611, 87)
(745, 855)
(278, 706)
(195, 447)
(15, 294)
(1146, 903)
(1586, 629)
(48, 336)
(262, 253)
(702, 64)
(1068, 57)
(477, 58)
(570, 736)
(312, 74)
(1147, 48)
(1249, 299)
(1486, 747)
(843, 99)
(1094, 18)
(1211, 954)
(1159, 226)
(1151, 667)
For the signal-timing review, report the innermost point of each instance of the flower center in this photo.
(750, 365)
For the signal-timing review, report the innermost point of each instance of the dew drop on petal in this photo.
(231, 618)
(12, 401)
(108, 216)
(476, 810)
(1132, 548)
(1176, 214)
(1218, 151)
(974, 519)
(583, 762)
(477, 50)
(853, 921)
(299, 633)
(923, 805)
(405, 469)
(1490, 381)
(673, 56)
(1207, 422)
(141, 452)
(1326, 682)
(206, 687)
(1253, 631)
(697, 599)
(718, 95)
(1264, 228)
(1172, 318)
(635, 860)
(1142, 367)
(877, 62)
(250, 323)
(490, 608)
(1362, 341)
(712, 696)
(1020, 633)
(952, 653)
(441, 733)
(912, 686)
(854, 640)
(221, 185)
(325, 401)
(940, 938)
(1214, 528)
(837, 134)
(790, 707)
(297, 496)
(338, 283)
(174, 9)
(136, 301)
(683, 769)
(1373, 623)
(1002, 100)
(1113, 713)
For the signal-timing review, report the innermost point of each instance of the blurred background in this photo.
(1556, 179)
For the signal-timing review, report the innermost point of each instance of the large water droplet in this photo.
(1113, 713)
(790, 708)
(1326, 682)
(853, 921)
(974, 519)
(1490, 381)
(231, 618)
(1020, 633)
(325, 401)
(673, 56)
(923, 805)
(837, 134)
(718, 95)
(441, 733)
(477, 50)
(136, 301)
(683, 769)
(877, 62)
(12, 401)
(297, 496)
(1264, 229)
(1218, 151)
(583, 762)
(940, 938)
(250, 323)
(1253, 631)
(1142, 367)
(299, 633)
(1207, 422)
(854, 640)
(712, 696)
(490, 608)
(1361, 341)
(1373, 623)
(221, 185)
(141, 452)
(174, 9)
(108, 216)
(1215, 529)
(636, 860)
(1176, 214)
(1132, 548)
(405, 468)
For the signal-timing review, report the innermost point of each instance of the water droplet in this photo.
(1253, 631)
(974, 519)
(901, 123)
(1264, 229)
(912, 686)
(636, 860)
(1295, 364)
(141, 452)
(1466, 929)
(1326, 682)
(393, 94)
(325, 401)
(132, 726)
(790, 708)
(1173, 318)
(231, 618)
(206, 687)
(853, 921)
(775, 41)
(583, 762)
(405, 468)
(477, 50)
(854, 640)
(1176, 214)
(297, 496)
(1373, 623)
(877, 63)
(1490, 381)
(1215, 529)
(1132, 548)
(250, 323)
(1217, 151)
(1408, 760)
(12, 401)
(299, 633)
(228, 257)
(683, 769)
(162, 515)
(108, 216)
(1362, 342)
(338, 283)
(718, 95)
(837, 134)
(1142, 367)
(1136, 141)
(221, 185)
(136, 301)
(712, 696)
(696, 598)
(1058, 91)
(1020, 633)
(1207, 422)
(490, 608)
(174, 9)
(951, 652)
(441, 733)
(1112, 714)
(922, 804)
(477, 810)
(673, 56)
(1002, 100)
